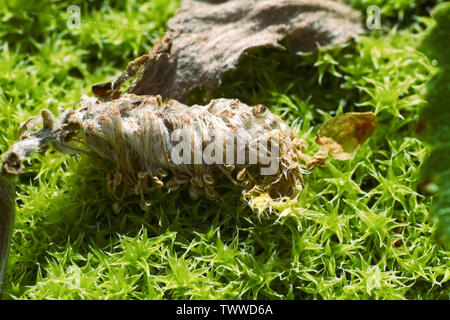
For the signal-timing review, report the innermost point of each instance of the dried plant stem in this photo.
(7, 212)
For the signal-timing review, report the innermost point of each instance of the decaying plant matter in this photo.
(207, 38)
(342, 136)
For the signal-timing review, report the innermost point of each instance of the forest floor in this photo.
(359, 230)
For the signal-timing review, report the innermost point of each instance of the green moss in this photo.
(360, 229)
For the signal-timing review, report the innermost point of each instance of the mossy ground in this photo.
(359, 230)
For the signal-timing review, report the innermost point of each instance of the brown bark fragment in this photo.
(207, 38)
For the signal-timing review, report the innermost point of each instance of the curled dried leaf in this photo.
(207, 39)
(344, 134)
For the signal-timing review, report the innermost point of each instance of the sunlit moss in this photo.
(359, 230)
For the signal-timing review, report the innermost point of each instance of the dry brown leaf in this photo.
(207, 38)
(343, 135)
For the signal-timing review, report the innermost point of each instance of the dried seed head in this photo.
(156, 144)
(137, 132)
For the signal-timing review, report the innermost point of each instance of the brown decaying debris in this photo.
(207, 38)
(135, 133)
(343, 135)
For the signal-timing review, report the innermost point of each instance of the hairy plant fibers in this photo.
(135, 133)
